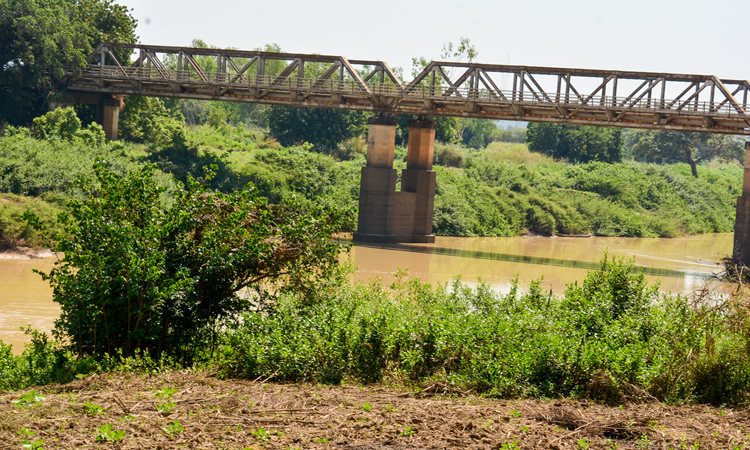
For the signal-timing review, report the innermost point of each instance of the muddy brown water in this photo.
(681, 265)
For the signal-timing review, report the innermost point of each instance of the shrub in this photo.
(449, 155)
(63, 123)
(139, 276)
(612, 337)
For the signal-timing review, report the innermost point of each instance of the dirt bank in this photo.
(25, 253)
(197, 411)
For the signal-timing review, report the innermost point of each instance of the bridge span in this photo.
(661, 101)
(703, 103)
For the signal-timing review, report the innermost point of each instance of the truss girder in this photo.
(684, 102)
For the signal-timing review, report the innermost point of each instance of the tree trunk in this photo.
(688, 153)
(693, 167)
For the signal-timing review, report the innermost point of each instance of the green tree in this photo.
(139, 276)
(478, 133)
(575, 143)
(148, 120)
(324, 128)
(36, 35)
(678, 146)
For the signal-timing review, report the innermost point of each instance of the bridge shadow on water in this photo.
(521, 259)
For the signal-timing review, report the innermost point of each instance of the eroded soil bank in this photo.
(189, 410)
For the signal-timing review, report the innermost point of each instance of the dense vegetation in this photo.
(608, 338)
(611, 338)
(502, 190)
(36, 35)
(139, 275)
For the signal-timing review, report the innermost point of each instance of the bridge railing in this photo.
(608, 98)
(350, 87)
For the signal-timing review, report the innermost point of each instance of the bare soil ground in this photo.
(195, 410)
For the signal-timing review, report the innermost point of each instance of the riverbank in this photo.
(196, 410)
(26, 253)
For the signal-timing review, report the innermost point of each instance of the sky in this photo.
(671, 36)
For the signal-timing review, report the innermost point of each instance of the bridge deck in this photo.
(702, 103)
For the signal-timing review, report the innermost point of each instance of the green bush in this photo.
(14, 231)
(137, 275)
(63, 123)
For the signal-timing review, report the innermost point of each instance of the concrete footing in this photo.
(387, 215)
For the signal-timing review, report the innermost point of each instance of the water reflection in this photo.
(682, 265)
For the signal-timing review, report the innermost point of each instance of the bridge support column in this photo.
(108, 115)
(386, 215)
(742, 221)
(418, 177)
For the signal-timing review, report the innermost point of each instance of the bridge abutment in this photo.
(387, 215)
(742, 221)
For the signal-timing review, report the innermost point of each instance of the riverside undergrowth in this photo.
(611, 338)
(606, 338)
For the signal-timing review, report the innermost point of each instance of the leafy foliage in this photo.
(37, 35)
(625, 199)
(324, 128)
(147, 120)
(63, 123)
(576, 143)
(612, 338)
(610, 332)
(691, 148)
(139, 276)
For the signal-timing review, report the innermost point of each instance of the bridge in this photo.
(661, 101)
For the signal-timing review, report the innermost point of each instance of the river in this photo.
(682, 265)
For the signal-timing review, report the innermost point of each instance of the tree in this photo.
(140, 276)
(148, 120)
(575, 143)
(678, 146)
(39, 35)
(324, 128)
(478, 133)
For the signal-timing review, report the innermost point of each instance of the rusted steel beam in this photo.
(545, 94)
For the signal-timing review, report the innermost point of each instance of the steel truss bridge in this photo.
(702, 103)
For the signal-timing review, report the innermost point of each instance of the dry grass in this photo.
(515, 153)
(239, 414)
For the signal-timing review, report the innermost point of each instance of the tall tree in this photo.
(324, 128)
(39, 35)
(575, 143)
(678, 146)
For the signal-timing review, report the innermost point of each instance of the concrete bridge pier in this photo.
(742, 221)
(387, 215)
(108, 114)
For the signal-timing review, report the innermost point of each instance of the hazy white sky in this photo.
(678, 36)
